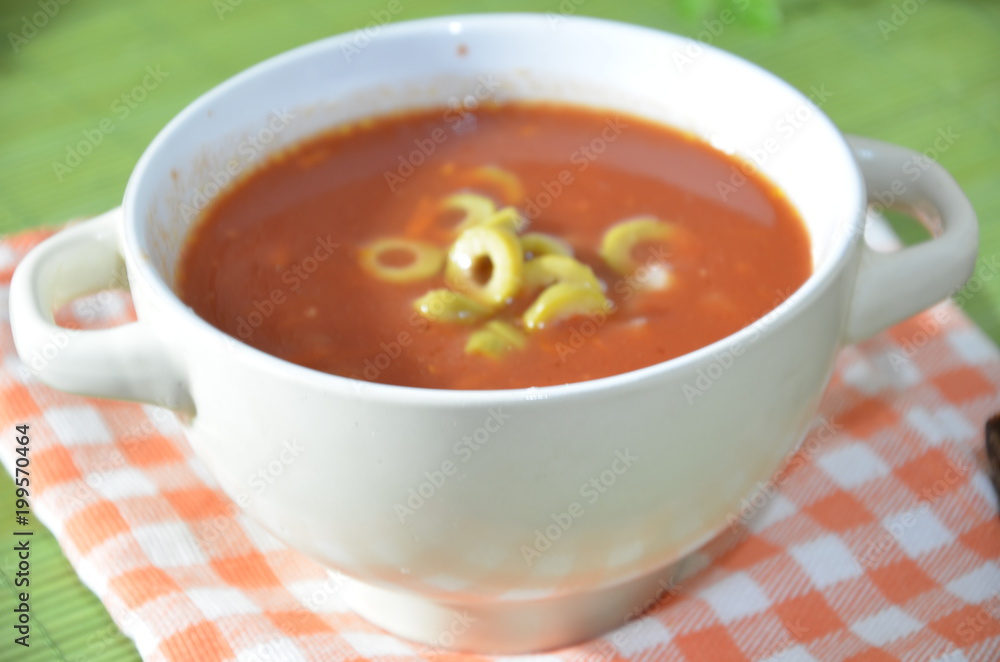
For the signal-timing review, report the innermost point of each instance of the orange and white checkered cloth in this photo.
(881, 542)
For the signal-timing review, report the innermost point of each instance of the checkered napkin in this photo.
(879, 541)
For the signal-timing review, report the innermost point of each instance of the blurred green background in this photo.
(898, 71)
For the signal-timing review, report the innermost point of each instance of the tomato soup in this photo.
(518, 245)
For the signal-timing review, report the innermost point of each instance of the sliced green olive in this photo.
(537, 244)
(508, 218)
(495, 339)
(479, 210)
(622, 237)
(424, 261)
(486, 263)
(443, 305)
(549, 269)
(506, 183)
(563, 301)
(475, 208)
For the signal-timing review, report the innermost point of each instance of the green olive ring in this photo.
(495, 339)
(549, 269)
(622, 237)
(507, 218)
(563, 301)
(507, 183)
(537, 244)
(443, 305)
(486, 263)
(475, 208)
(426, 262)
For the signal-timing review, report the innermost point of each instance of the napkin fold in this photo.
(879, 540)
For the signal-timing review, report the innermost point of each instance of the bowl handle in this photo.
(126, 362)
(893, 286)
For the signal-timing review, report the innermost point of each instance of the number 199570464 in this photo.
(21, 474)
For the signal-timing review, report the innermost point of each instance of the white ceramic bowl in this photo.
(555, 522)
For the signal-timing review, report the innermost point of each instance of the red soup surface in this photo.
(517, 245)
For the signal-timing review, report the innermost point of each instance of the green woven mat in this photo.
(897, 71)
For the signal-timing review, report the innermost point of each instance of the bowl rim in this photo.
(835, 260)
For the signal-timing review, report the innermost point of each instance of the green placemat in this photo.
(86, 85)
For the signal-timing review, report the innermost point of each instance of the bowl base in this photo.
(514, 626)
